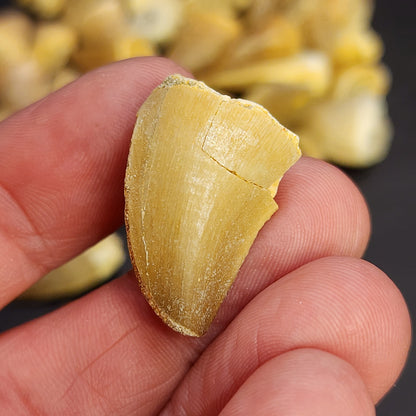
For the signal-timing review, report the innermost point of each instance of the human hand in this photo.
(308, 328)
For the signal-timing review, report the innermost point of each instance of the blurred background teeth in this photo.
(292, 56)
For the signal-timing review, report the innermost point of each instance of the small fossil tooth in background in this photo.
(202, 174)
(84, 272)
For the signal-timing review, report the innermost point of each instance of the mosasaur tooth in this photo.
(202, 173)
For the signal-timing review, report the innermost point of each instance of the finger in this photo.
(344, 306)
(321, 213)
(302, 382)
(106, 353)
(109, 350)
(105, 318)
(62, 170)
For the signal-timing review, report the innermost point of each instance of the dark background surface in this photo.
(389, 188)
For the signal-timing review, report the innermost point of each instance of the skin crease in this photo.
(304, 313)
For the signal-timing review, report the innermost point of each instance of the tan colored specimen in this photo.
(202, 174)
(84, 272)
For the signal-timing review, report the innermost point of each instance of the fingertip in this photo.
(321, 213)
(368, 313)
(302, 382)
(332, 205)
(389, 320)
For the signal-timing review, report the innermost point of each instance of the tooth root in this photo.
(195, 202)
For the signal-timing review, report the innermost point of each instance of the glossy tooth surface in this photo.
(202, 173)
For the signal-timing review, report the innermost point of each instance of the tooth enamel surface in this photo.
(200, 181)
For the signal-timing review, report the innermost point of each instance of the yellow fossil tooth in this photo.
(290, 56)
(203, 38)
(84, 272)
(311, 144)
(121, 47)
(261, 10)
(105, 35)
(96, 21)
(353, 132)
(223, 7)
(356, 47)
(154, 20)
(202, 173)
(276, 38)
(306, 70)
(287, 104)
(53, 45)
(24, 83)
(16, 32)
(317, 16)
(45, 9)
(322, 20)
(358, 79)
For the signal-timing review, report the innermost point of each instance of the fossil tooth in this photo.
(44, 9)
(203, 38)
(202, 173)
(120, 47)
(354, 131)
(154, 20)
(84, 272)
(278, 37)
(287, 104)
(53, 45)
(306, 70)
(290, 56)
(355, 47)
(358, 79)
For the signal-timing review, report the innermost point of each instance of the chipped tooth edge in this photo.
(178, 79)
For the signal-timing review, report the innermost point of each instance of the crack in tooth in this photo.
(219, 163)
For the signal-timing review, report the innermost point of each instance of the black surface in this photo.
(388, 187)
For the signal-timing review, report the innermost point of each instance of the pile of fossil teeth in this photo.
(310, 62)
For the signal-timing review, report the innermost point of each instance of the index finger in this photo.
(62, 169)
